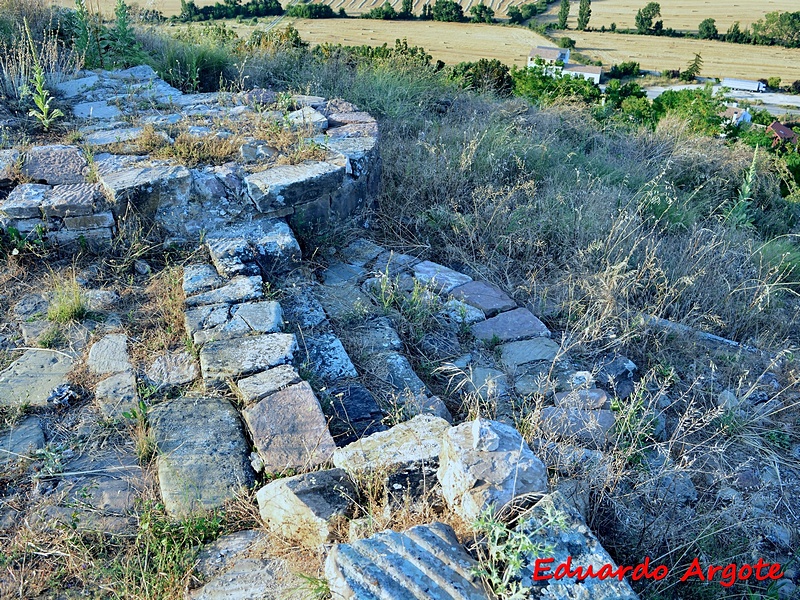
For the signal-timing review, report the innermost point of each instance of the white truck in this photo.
(744, 85)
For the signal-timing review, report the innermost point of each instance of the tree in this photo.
(708, 29)
(447, 10)
(693, 70)
(514, 15)
(481, 14)
(563, 14)
(645, 17)
(406, 12)
(566, 42)
(584, 13)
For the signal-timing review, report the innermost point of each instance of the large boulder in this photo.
(485, 464)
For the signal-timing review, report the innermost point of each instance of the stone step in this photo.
(424, 563)
(235, 358)
(202, 453)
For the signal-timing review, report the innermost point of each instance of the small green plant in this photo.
(145, 442)
(68, 303)
(53, 338)
(317, 587)
(40, 94)
(503, 552)
(739, 214)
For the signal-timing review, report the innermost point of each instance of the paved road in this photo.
(774, 103)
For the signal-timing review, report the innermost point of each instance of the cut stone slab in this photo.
(289, 429)
(425, 562)
(409, 452)
(96, 110)
(109, 355)
(70, 240)
(30, 379)
(305, 508)
(259, 386)
(484, 296)
(72, 200)
(148, 189)
(240, 357)
(95, 221)
(114, 136)
(308, 117)
(200, 278)
(21, 440)
(221, 554)
(516, 354)
(568, 536)
(238, 289)
(25, 201)
(223, 321)
(394, 263)
(438, 277)
(31, 306)
(76, 87)
(440, 344)
(117, 394)
(253, 579)
(290, 185)
(202, 453)
(360, 152)
(328, 359)
(592, 398)
(54, 165)
(339, 273)
(356, 413)
(8, 163)
(302, 309)
(400, 374)
(589, 428)
(460, 312)
(173, 368)
(486, 464)
(345, 302)
(360, 252)
(232, 256)
(510, 326)
(378, 336)
(487, 383)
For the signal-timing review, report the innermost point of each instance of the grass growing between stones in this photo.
(68, 303)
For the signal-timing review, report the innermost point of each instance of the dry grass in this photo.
(719, 59)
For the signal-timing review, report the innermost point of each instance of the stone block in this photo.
(25, 201)
(73, 240)
(238, 289)
(484, 296)
(290, 185)
(510, 326)
(173, 368)
(438, 277)
(240, 357)
(289, 430)
(54, 165)
(73, 200)
(307, 117)
(109, 355)
(355, 413)
(328, 359)
(311, 216)
(591, 398)
(589, 428)
(306, 508)
(76, 87)
(117, 394)
(21, 440)
(202, 453)
(485, 464)
(30, 379)
(516, 354)
(232, 256)
(96, 221)
(112, 136)
(259, 386)
(9, 160)
(153, 191)
(200, 278)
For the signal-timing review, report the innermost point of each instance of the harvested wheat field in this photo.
(684, 15)
(449, 42)
(719, 59)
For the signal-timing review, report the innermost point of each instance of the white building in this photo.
(736, 116)
(556, 62)
(589, 72)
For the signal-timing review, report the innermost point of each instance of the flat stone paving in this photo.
(30, 379)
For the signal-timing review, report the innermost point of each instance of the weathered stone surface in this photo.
(306, 100)
(238, 289)
(253, 579)
(21, 440)
(113, 136)
(589, 428)
(95, 110)
(8, 164)
(150, 190)
(289, 429)
(101, 300)
(54, 165)
(360, 153)
(202, 453)
(394, 263)
(72, 240)
(591, 398)
(25, 201)
(117, 394)
(222, 321)
(516, 354)
(97, 493)
(308, 117)
(486, 464)
(31, 306)
(345, 118)
(617, 373)
(268, 242)
(200, 278)
(173, 368)
(460, 312)
(302, 309)
(409, 452)
(425, 562)
(555, 523)
(490, 299)
(400, 374)
(239, 357)
(30, 379)
(487, 383)
(290, 185)
(109, 355)
(261, 385)
(327, 357)
(277, 250)
(75, 87)
(360, 252)
(344, 302)
(96, 221)
(377, 336)
(356, 413)
(305, 508)
(440, 345)
(225, 551)
(339, 273)
(232, 256)
(510, 326)
(439, 278)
